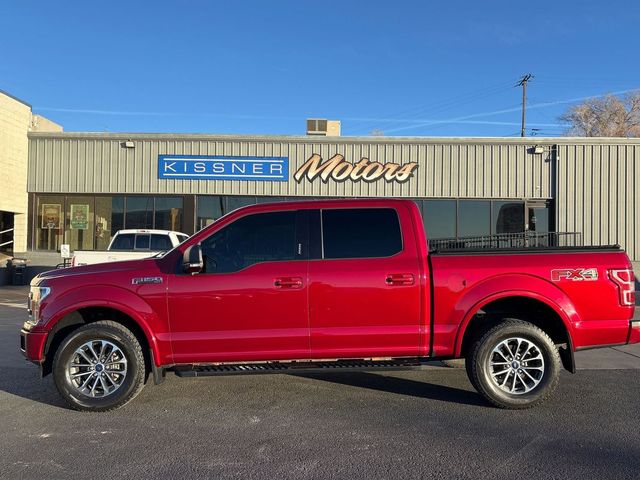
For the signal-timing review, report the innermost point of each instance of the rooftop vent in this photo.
(323, 127)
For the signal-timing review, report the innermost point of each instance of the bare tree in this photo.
(608, 116)
(376, 132)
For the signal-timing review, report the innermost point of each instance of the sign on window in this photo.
(79, 217)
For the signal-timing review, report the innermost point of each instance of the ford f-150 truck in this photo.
(335, 284)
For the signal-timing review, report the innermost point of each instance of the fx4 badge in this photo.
(145, 280)
(574, 274)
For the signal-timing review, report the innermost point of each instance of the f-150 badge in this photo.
(145, 280)
(574, 274)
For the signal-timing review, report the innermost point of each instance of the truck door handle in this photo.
(395, 279)
(288, 282)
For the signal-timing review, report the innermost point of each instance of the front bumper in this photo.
(32, 345)
(634, 332)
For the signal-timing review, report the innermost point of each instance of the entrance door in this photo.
(6, 232)
(539, 223)
(364, 292)
(250, 301)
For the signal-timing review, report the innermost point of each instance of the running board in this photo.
(298, 367)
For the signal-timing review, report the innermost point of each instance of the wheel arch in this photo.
(89, 312)
(523, 305)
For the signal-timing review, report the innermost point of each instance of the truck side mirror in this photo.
(192, 259)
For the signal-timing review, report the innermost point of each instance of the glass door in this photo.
(539, 223)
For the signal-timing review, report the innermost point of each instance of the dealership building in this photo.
(83, 187)
(466, 187)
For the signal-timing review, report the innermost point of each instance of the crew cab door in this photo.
(250, 301)
(365, 288)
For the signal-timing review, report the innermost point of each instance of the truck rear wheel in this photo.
(99, 367)
(514, 365)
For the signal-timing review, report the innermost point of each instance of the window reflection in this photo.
(168, 213)
(209, 208)
(439, 218)
(474, 218)
(239, 201)
(139, 212)
(508, 217)
(49, 222)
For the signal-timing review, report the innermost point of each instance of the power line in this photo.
(509, 110)
(412, 115)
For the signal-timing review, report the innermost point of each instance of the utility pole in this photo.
(523, 83)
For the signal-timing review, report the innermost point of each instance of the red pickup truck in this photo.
(321, 285)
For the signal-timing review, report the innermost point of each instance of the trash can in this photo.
(17, 267)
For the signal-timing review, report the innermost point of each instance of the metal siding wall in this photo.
(597, 183)
(599, 194)
(92, 164)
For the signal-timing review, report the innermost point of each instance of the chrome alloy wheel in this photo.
(516, 365)
(97, 368)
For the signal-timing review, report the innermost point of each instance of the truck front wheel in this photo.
(99, 367)
(514, 365)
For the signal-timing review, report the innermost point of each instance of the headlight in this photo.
(36, 295)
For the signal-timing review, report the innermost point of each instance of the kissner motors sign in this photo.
(276, 169)
(338, 169)
(199, 167)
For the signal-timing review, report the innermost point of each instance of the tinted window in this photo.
(474, 218)
(168, 213)
(139, 212)
(161, 242)
(236, 202)
(361, 233)
(439, 218)
(263, 237)
(123, 242)
(210, 208)
(508, 217)
(142, 242)
(182, 238)
(539, 220)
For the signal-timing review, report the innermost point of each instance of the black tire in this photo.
(479, 367)
(129, 384)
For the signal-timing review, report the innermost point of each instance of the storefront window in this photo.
(79, 227)
(49, 218)
(208, 209)
(439, 218)
(237, 202)
(169, 213)
(507, 217)
(139, 212)
(474, 218)
(109, 219)
(274, 199)
(539, 219)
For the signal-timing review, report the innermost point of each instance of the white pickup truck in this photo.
(131, 245)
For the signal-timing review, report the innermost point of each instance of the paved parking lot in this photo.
(398, 425)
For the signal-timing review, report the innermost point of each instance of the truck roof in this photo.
(149, 230)
(334, 203)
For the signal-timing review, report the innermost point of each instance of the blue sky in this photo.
(403, 67)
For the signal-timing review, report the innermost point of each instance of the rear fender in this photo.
(504, 286)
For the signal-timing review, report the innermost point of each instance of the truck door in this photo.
(365, 289)
(250, 302)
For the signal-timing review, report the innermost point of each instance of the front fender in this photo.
(513, 285)
(109, 296)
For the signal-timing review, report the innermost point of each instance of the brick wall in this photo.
(15, 119)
